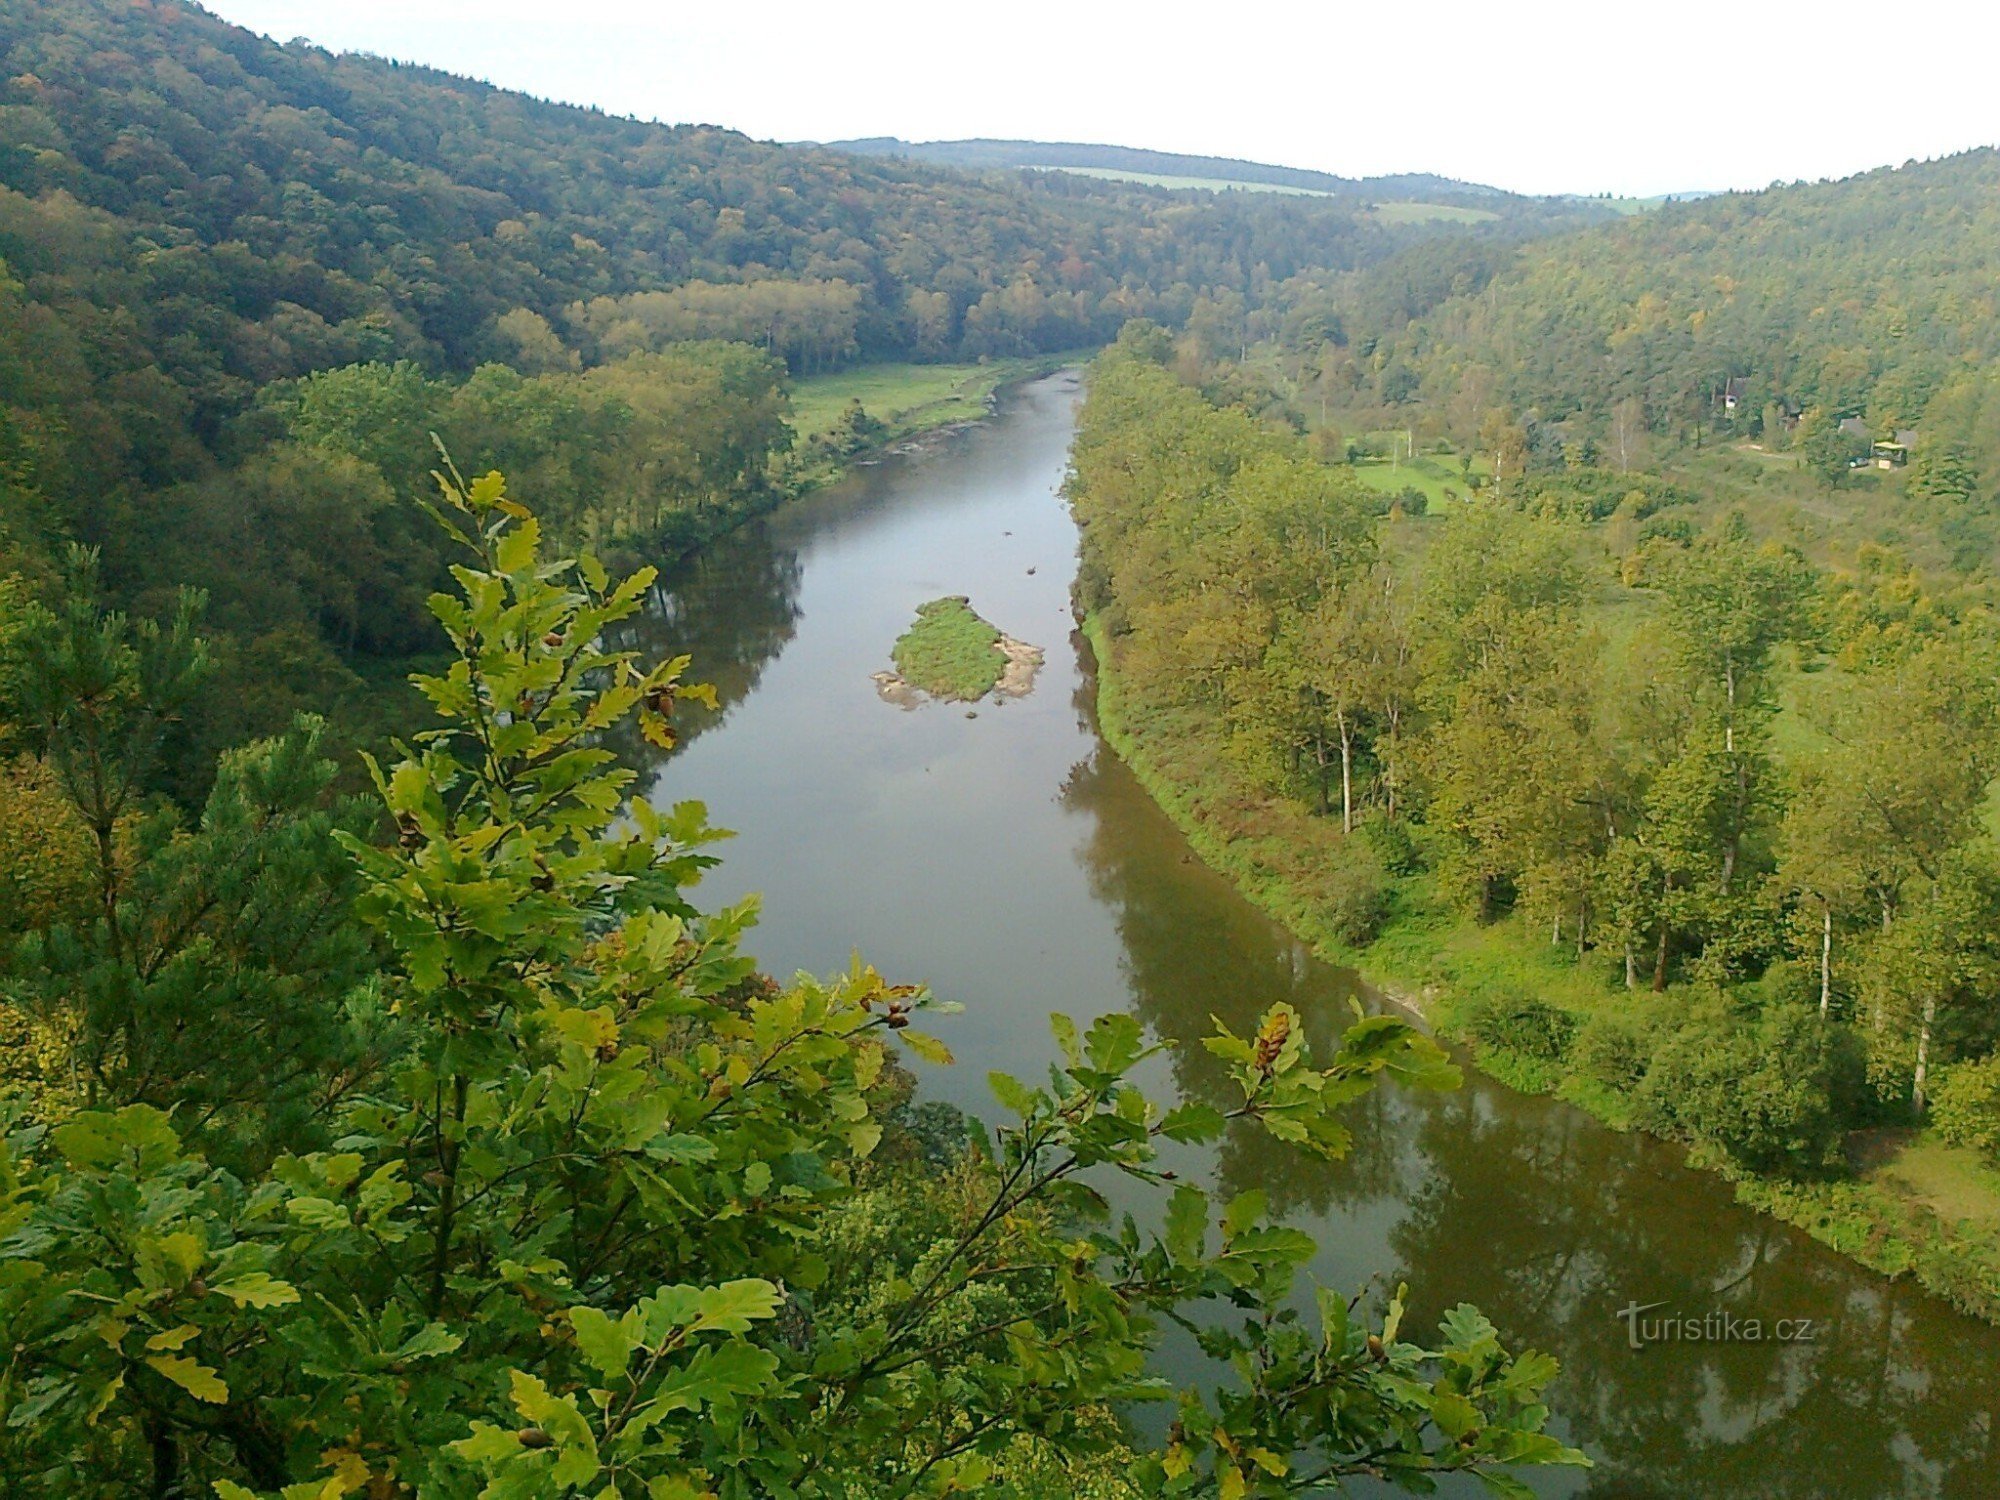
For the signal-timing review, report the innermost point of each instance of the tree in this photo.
(211, 969)
(1931, 975)
(587, 1240)
(1826, 451)
(1944, 473)
(1729, 605)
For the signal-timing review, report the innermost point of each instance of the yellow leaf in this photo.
(350, 1471)
(172, 1338)
(1268, 1461)
(197, 1379)
(1234, 1486)
(106, 1394)
(1177, 1462)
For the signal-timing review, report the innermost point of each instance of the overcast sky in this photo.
(1538, 97)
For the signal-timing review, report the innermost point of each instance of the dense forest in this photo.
(433, 1143)
(1770, 315)
(240, 284)
(395, 1124)
(1592, 628)
(1657, 808)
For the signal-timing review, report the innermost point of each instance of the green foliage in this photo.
(950, 652)
(1770, 1090)
(1614, 1050)
(1807, 293)
(1945, 472)
(1528, 1027)
(1394, 845)
(1966, 1108)
(242, 283)
(1354, 893)
(211, 968)
(613, 1226)
(855, 430)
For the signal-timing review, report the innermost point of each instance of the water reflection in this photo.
(1551, 1223)
(732, 608)
(1017, 866)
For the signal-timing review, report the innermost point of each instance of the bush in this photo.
(1966, 1105)
(1614, 1050)
(1769, 1089)
(1394, 849)
(1354, 893)
(1528, 1027)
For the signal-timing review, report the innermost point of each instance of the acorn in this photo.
(409, 832)
(533, 1437)
(553, 640)
(607, 1052)
(897, 1020)
(1375, 1350)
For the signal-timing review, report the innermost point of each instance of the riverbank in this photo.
(903, 403)
(908, 406)
(1443, 967)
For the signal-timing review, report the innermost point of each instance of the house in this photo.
(1735, 392)
(1855, 427)
(1889, 455)
(1907, 436)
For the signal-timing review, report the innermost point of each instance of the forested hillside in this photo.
(1073, 155)
(1870, 297)
(1621, 783)
(241, 283)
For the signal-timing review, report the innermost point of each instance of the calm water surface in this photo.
(1008, 858)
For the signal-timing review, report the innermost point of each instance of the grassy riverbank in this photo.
(909, 399)
(1912, 1206)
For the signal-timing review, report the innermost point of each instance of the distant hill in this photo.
(1873, 296)
(1135, 162)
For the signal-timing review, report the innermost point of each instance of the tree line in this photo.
(431, 1142)
(1747, 794)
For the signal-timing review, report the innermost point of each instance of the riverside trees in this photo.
(615, 1216)
(1628, 781)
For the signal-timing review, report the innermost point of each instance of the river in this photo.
(1004, 856)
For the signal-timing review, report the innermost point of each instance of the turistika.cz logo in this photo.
(1713, 1327)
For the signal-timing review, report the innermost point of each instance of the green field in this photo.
(909, 398)
(1428, 213)
(1436, 475)
(1205, 184)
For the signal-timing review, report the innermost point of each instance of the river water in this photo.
(1008, 859)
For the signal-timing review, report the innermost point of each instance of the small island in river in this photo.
(950, 652)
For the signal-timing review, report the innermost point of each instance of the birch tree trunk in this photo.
(1924, 1053)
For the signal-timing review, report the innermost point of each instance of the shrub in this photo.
(1966, 1104)
(1519, 1024)
(1614, 1050)
(1394, 849)
(1354, 893)
(1769, 1090)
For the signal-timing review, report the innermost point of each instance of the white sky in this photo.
(1536, 95)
